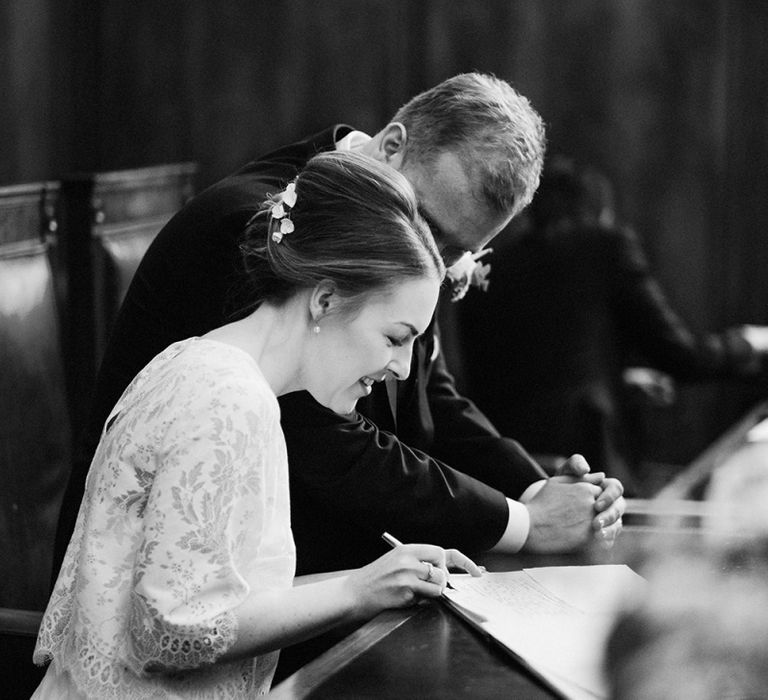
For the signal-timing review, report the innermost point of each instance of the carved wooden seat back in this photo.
(109, 220)
(35, 436)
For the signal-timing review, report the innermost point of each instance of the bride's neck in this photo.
(274, 338)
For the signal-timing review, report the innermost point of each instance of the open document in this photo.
(554, 620)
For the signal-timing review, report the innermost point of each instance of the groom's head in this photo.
(473, 149)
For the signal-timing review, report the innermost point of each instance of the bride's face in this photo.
(351, 351)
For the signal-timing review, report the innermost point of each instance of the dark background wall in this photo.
(669, 98)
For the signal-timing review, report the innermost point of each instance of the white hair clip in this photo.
(281, 216)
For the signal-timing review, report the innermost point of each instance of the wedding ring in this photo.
(430, 570)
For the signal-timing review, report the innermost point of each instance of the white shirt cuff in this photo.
(519, 523)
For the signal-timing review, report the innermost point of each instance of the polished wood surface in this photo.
(429, 652)
(424, 652)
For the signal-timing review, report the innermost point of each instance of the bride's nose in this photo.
(400, 364)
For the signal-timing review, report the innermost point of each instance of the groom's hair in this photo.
(493, 129)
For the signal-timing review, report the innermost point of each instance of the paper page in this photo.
(600, 588)
(555, 619)
(495, 593)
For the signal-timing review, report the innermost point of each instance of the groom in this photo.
(417, 459)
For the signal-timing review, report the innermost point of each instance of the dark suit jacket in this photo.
(351, 477)
(564, 314)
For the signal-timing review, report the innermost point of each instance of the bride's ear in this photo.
(322, 300)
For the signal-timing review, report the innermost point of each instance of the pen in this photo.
(394, 542)
(391, 541)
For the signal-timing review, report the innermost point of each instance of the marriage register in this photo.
(553, 620)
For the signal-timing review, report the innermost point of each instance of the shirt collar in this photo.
(352, 141)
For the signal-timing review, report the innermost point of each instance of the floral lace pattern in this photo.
(186, 511)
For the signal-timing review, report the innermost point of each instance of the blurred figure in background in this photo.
(572, 308)
(702, 628)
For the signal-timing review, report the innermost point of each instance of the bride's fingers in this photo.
(454, 558)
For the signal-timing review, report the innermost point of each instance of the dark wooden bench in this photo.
(109, 220)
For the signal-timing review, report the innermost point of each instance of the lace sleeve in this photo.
(206, 505)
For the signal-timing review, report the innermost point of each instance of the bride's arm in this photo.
(269, 620)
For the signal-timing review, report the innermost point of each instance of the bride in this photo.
(179, 577)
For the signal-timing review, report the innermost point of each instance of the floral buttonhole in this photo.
(468, 272)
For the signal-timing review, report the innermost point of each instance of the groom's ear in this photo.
(392, 142)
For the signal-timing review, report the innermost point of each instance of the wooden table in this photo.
(429, 652)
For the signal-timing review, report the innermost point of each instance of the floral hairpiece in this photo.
(468, 272)
(281, 216)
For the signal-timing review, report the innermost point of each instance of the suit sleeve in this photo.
(649, 323)
(343, 469)
(466, 439)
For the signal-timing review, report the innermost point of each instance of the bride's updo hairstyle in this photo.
(353, 222)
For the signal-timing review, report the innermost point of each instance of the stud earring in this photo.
(316, 329)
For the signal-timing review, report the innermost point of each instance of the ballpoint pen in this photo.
(390, 540)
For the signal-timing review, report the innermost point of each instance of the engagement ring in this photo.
(430, 569)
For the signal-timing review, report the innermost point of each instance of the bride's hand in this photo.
(403, 576)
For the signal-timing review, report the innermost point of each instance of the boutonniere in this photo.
(468, 272)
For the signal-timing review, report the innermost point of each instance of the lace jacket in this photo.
(186, 510)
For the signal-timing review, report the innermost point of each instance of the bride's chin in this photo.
(341, 403)
(344, 414)
(347, 410)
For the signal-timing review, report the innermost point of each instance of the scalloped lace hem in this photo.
(93, 674)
